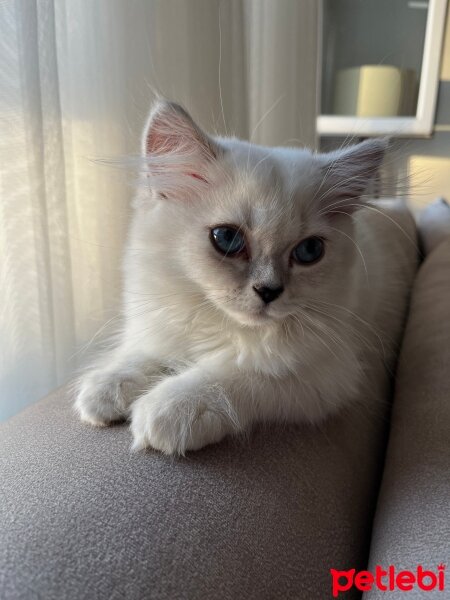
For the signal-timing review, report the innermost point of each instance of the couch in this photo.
(268, 517)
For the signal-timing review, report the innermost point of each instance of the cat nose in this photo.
(268, 294)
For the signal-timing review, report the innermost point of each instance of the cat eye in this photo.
(310, 250)
(227, 240)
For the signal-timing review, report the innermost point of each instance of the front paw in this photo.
(173, 421)
(104, 397)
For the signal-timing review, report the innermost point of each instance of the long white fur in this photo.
(199, 355)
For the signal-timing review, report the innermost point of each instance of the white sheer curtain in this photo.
(76, 80)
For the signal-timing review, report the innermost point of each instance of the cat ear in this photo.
(179, 156)
(347, 173)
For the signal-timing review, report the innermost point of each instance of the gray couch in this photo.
(81, 517)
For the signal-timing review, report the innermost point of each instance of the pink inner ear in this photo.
(179, 157)
(158, 141)
(197, 176)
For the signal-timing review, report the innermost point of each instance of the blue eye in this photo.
(309, 251)
(227, 240)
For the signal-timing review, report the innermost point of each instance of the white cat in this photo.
(259, 285)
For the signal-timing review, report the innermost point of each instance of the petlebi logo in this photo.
(388, 579)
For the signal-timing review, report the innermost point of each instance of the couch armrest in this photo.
(412, 524)
(82, 517)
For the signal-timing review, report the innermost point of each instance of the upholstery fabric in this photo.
(412, 523)
(81, 517)
(434, 225)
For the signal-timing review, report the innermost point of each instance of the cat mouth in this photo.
(268, 315)
(253, 318)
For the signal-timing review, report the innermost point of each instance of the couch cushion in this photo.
(82, 517)
(412, 523)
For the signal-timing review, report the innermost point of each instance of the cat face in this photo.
(262, 232)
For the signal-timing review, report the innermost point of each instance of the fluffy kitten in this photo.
(258, 286)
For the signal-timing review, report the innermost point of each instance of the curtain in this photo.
(77, 78)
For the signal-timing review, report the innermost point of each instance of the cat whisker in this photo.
(399, 227)
(346, 325)
(354, 315)
(357, 248)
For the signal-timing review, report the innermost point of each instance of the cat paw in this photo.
(104, 397)
(173, 422)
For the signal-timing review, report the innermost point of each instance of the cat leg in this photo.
(105, 393)
(184, 412)
(202, 405)
(213, 399)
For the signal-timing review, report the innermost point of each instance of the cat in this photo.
(260, 284)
